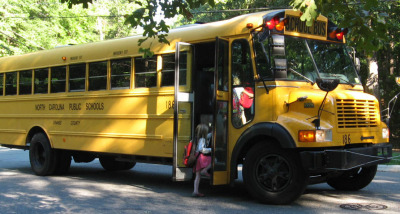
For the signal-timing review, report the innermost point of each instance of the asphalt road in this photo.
(148, 189)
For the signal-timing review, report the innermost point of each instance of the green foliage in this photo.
(225, 9)
(149, 19)
(365, 19)
(308, 8)
(31, 25)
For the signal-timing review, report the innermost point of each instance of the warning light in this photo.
(276, 23)
(272, 23)
(339, 36)
(280, 26)
(307, 136)
(338, 33)
(64, 58)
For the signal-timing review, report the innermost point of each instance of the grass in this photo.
(396, 158)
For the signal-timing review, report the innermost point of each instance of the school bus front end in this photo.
(313, 122)
(341, 132)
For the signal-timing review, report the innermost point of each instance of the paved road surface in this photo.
(149, 189)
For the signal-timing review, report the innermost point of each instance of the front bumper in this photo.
(345, 159)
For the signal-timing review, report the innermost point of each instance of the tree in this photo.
(32, 25)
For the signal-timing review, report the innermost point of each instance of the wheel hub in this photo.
(273, 173)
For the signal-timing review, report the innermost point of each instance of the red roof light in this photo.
(271, 23)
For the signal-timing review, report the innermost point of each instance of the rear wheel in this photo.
(41, 156)
(354, 179)
(110, 164)
(273, 175)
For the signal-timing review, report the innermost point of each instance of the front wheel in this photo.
(273, 175)
(354, 179)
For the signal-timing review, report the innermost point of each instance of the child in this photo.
(203, 163)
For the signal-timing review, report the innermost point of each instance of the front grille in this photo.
(356, 113)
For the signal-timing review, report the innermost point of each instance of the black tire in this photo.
(41, 156)
(63, 162)
(273, 175)
(354, 179)
(110, 164)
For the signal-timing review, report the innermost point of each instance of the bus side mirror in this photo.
(327, 84)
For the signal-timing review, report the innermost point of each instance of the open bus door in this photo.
(183, 110)
(220, 128)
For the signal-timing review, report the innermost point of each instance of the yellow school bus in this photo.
(282, 99)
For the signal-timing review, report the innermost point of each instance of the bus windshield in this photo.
(308, 59)
(332, 61)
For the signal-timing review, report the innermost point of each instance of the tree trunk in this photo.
(373, 77)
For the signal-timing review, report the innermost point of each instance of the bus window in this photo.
(58, 79)
(77, 77)
(168, 69)
(11, 83)
(223, 63)
(98, 76)
(146, 72)
(1, 84)
(242, 84)
(41, 81)
(121, 73)
(262, 59)
(25, 82)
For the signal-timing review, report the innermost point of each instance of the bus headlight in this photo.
(324, 135)
(385, 133)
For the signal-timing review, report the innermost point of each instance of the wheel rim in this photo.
(39, 155)
(273, 173)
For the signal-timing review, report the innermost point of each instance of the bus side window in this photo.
(223, 66)
(262, 61)
(25, 82)
(146, 72)
(242, 84)
(58, 79)
(11, 83)
(168, 70)
(98, 76)
(77, 77)
(41, 80)
(121, 73)
(1, 84)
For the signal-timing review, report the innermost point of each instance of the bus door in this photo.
(221, 98)
(183, 110)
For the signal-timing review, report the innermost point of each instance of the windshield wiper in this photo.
(301, 75)
(312, 57)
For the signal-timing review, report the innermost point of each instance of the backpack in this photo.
(189, 156)
(245, 100)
